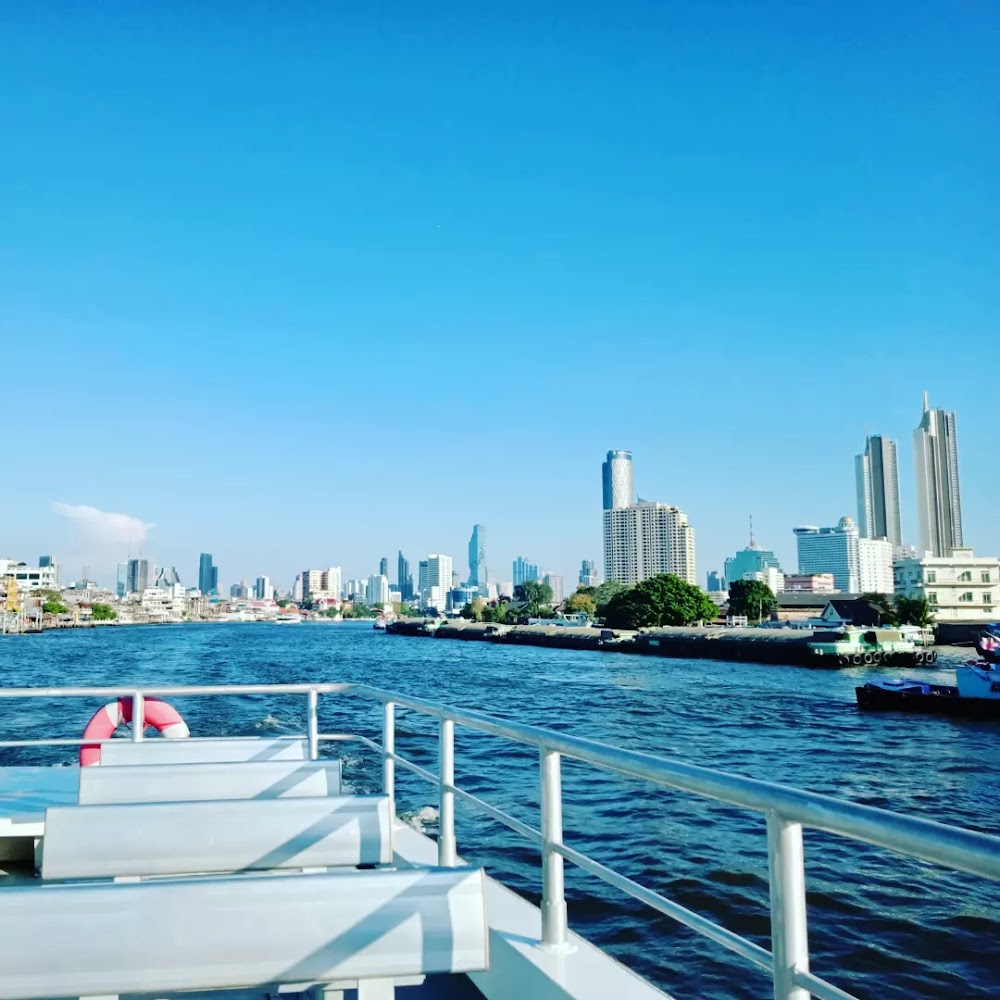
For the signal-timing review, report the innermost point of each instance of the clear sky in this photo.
(301, 284)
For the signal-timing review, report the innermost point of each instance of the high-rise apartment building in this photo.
(714, 583)
(647, 539)
(262, 589)
(877, 478)
(435, 580)
(524, 571)
(321, 584)
(939, 503)
(478, 575)
(377, 590)
(555, 584)
(589, 577)
(404, 579)
(858, 565)
(616, 476)
(208, 575)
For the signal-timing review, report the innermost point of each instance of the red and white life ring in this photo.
(107, 719)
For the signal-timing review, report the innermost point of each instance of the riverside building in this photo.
(939, 502)
(958, 587)
(858, 565)
(321, 583)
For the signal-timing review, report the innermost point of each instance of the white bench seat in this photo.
(177, 838)
(195, 782)
(122, 753)
(94, 939)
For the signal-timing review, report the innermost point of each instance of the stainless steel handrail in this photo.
(785, 809)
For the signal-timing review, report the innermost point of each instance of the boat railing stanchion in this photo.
(787, 883)
(138, 716)
(555, 925)
(388, 749)
(447, 850)
(312, 722)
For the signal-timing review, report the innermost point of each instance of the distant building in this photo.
(811, 583)
(958, 587)
(46, 561)
(524, 571)
(645, 540)
(377, 590)
(715, 583)
(875, 574)
(589, 577)
(437, 579)
(383, 566)
(404, 579)
(939, 502)
(831, 550)
(208, 574)
(121, 580)
(617, 480)
(137, 579)
(458, 597)
(877, 479)
(297, 589)
(262, 589)
(752, 559)
(166, 577)
(505, 588)
(320, 584)
(355, 590)
(555, 582)
(30, 577)
(770, 576)
(239, 591)
(478, 574)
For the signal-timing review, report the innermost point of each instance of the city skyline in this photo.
(456, 245)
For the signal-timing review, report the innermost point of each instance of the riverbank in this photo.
(794, 647)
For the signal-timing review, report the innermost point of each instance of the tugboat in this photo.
(976, 692)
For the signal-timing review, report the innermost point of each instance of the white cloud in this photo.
(102, 525)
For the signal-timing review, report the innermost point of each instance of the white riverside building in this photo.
(377, 590)
(321, 583)
(30, 577)
(939, 501)
(435, 580)
(646, 539)
(859, 565)
(958, 587)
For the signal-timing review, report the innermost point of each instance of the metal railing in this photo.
(786, 811)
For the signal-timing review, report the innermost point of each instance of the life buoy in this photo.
(109, 717)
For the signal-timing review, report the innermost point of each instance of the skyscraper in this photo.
(435, 580)
(878, 490)
(478, 575)
(208, 575)
(121, 580)
(646, 539)
(377, 590)
(138, 576)
(383, 567)
(524, 571)
(404, 578)
(589, 576)
(939, 503)
(262, 589)
(555, 583)
(616, 476)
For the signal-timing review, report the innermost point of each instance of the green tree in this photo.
(474, 610)
(103, 613)
(914, 611)
(499, 613)
(51, 607)
(752, 598)
(602, 594)
(661, 600)
(581, 602)
(884, 606)
(535, 596)
(284, 602)
(357, 610)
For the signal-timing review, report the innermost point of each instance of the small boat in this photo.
(976, 693)
(288, 618)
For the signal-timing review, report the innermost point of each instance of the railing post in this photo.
(138, 716)
(789, 936)
(388, 748)
(312, 723)
(447, 849)
(555, 925)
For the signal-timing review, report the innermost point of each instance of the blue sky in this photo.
(301, 285)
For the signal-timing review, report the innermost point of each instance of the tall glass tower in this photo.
(208, 575)
(478, 575)
(616, 475)
(878, 490)
(939, 503)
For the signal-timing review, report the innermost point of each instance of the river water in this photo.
(879, 926)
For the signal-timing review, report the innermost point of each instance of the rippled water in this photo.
(879, 926)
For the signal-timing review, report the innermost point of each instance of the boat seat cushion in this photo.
(194, 782)
(176, 838)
